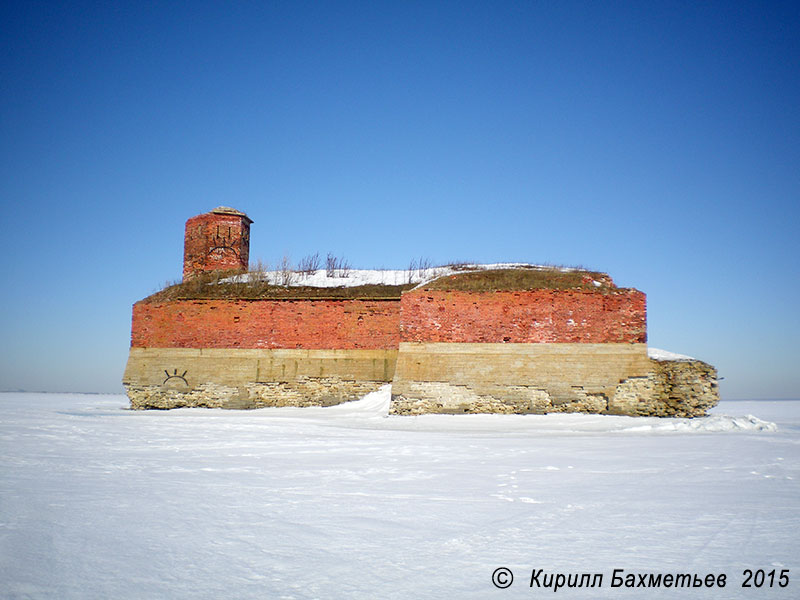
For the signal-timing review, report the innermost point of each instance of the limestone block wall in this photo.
(512, 378)
(252, 378)
(673, 388)
(543, 378)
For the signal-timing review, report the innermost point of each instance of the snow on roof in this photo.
(345, 277)
(659, 354)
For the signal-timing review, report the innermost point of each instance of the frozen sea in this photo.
(97, 501)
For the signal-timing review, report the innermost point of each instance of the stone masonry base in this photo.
(428, 378)
(615, 379)
(318, 391)
(673, 389)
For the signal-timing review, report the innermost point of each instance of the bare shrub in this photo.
(418, 267)
(285, 272)
(412, 266)
(344, 268)
(336, 267)
(330, 265)
(309, 265)
(259, 271)
(423, 265)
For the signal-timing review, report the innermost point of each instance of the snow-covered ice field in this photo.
(97, 501)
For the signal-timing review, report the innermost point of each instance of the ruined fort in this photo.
(465, 339)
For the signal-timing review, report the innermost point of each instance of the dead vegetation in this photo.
(284, 283)
(230, 285)
(336, 267)
(520, 279)
(309, 265)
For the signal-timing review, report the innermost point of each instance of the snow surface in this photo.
(97, 501)
(659, 354)
(356, 277)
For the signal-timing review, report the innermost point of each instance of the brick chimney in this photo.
(216, 241)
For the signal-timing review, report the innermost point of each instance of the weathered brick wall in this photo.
(216, 241)
(311, 324)
(537, 316)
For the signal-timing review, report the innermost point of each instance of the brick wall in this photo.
(311, 324)
(538, 316)
(216, 241)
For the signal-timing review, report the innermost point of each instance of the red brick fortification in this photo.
(216, 241)
(310, 324)
(536, 316)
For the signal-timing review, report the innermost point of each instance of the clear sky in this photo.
(656, 141)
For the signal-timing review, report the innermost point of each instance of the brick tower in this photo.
(216, 241)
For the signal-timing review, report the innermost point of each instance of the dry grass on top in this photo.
(223, 285)
(521, 279)
(213, 286)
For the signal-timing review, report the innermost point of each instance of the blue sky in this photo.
(656, 141)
